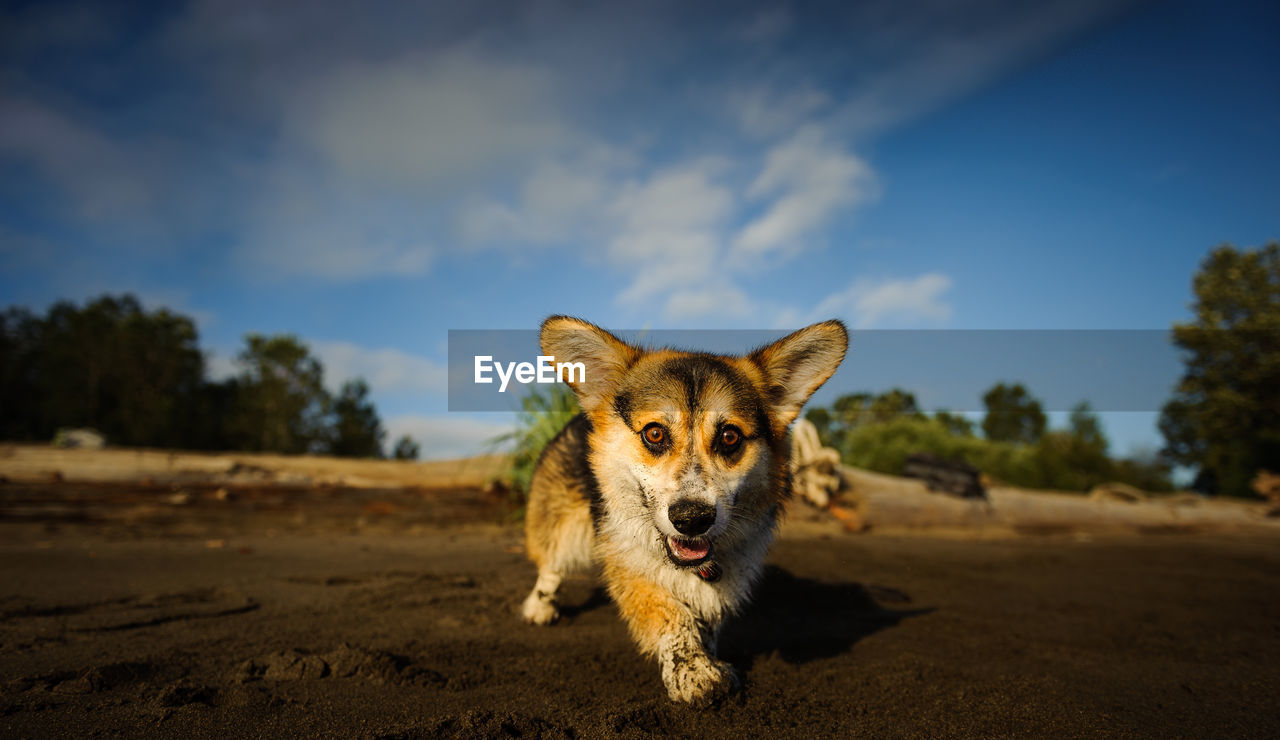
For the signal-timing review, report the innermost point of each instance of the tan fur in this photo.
(603, 493)
(558, 522)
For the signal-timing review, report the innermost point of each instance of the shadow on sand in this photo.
(799, 618)
(803, 620)
(598, 597)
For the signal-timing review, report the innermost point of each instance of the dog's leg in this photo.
(560, 545)
(690, 670)
(684, 644)
(540, 605)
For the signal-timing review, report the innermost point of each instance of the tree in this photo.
(892, 404)
(281, 401)
(1075, 458)
(1013, 415)
(129, 373)
(1086, 428)
(406, 449)
(820, 417)
(137, 376)
(19, 337)
(1224, 418)
(213, 425)
(356, 430)
(955, 423)
(854, 410)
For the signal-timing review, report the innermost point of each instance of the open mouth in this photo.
(688, 550)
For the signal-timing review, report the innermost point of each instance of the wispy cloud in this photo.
(343, 147)
(429, 119)
(886, 302)
(765, 26)
(767, 111)
(557, 202)
(94, 173)
(311, 223)
(921, 56)
(220, 366)
(666, 229)
(387, 370)
(809, 179)
(721, 299)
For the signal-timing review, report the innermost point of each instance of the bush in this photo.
(544, 414)
(1059, 460)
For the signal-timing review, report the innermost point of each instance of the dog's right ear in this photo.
(603, 356)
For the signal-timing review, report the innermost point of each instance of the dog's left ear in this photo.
(604, 357)
(798, 364)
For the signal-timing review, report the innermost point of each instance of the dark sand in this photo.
(186, 619)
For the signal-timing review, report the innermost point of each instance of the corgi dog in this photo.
(673, 479)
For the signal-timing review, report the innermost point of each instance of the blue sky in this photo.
(369, 176)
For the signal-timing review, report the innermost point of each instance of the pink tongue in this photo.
(691, 550)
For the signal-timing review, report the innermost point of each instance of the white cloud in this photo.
(376, 156)
(219, 367)
(445, 437)
(766, 111)
(436, 118)
(922, 58)
(723, 301)
(387, 370)
(667, 230)
(557, 201)
(99, 177)
(895, 301)
(765, 26)
(813, 178)
(314, 224)
(382, 125)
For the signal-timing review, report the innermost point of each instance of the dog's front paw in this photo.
(700, 681)
(538, 610)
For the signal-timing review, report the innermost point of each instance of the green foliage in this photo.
(1058, 460)
(955, 423)
(544, 413)
(138, 377)
(406, 449)
(1012, 414)
(282, 402)
(1086, 428)
(820, 417)
(1224, 418)
(854, 410)
(131, 374)
(884, 446)
(1073, 459)
(355, 430)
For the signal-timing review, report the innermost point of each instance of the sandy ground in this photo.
(127, 611)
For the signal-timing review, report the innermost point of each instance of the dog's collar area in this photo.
(710, 572)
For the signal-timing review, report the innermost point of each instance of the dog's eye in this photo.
(654, 435)
(729, 438)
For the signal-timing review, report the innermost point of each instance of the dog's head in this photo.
(689, 449)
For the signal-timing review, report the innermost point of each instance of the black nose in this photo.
(691, 518)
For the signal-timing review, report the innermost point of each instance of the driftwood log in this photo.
(813, 467)
(946, 476)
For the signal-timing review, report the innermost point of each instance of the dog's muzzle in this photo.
(691, 518)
